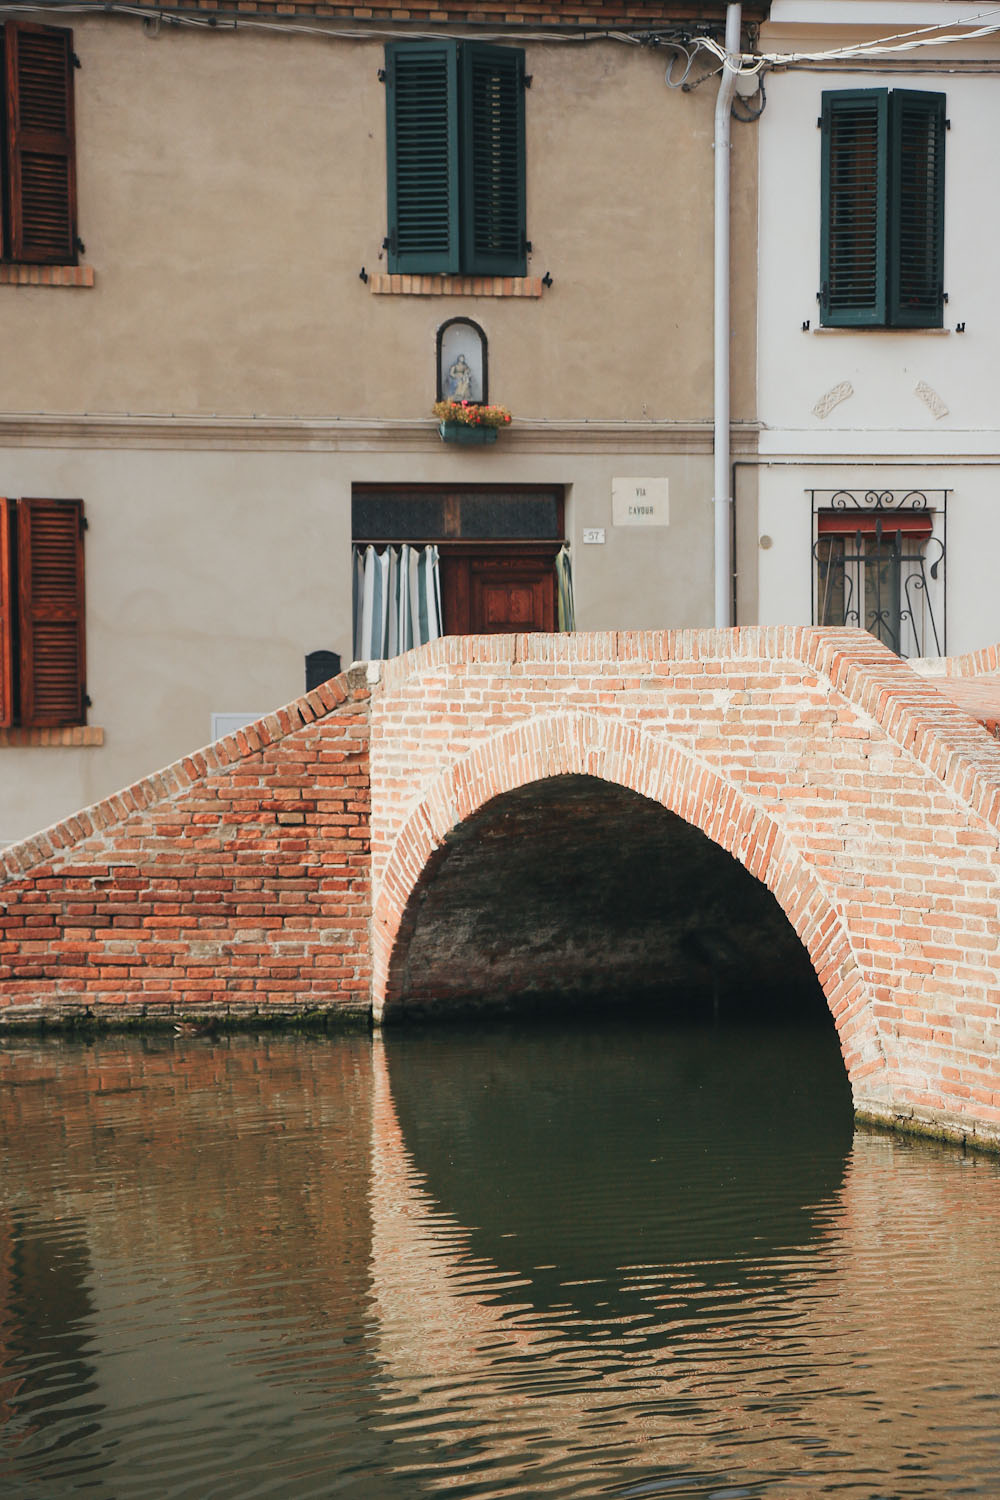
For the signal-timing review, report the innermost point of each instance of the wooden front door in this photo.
(499, 589)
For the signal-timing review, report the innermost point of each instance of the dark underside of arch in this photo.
(575, 891)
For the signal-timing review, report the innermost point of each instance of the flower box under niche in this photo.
(470, 421)
(460, 432)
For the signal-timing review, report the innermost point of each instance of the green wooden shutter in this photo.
(41, 167)
(422, 136)
(493, 191)
(853, 254)
(7, 611)
(51, 611)
(916, 209)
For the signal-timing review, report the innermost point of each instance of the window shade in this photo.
(422, 127)
(493, 159)
(41, 173)
(7, 606)
(854, 179)
(916, 220)
(51, 611)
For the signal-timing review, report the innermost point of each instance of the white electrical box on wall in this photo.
(228, 723)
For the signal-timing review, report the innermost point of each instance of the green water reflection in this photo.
(615, 1258)
(596, 1148)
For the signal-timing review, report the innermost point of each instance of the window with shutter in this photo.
(39, 167)
(7, 611)
(42, 647)
(455, 132)
(882, 233)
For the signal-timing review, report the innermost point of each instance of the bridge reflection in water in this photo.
(623, 1258)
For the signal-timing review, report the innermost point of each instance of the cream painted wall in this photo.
(210, 575)
(233, 185)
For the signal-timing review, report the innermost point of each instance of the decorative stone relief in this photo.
(825, 405)
(931, 400)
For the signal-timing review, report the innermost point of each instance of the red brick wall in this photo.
(235, 882)
(865, 801)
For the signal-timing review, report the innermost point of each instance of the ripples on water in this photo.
(612, 1259)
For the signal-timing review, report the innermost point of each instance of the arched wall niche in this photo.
(462, 362)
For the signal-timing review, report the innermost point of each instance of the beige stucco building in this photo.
(226, 358)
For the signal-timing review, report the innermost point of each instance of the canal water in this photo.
(602, 1259)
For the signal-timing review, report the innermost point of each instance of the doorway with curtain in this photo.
(493, 559)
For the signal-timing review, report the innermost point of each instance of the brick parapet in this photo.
(18, 859)
(234, 882)
(974, 663)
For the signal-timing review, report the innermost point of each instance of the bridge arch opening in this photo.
(575, 891)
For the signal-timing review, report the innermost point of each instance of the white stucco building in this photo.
(879, 325)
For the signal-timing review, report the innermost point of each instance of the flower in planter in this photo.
(472, 414)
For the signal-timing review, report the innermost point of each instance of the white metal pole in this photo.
(723, 500)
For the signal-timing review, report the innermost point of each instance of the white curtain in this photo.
(564, 590)
(397, 600)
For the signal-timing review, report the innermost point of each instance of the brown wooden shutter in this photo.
(41, 175)
(6, 613)
(51, 612)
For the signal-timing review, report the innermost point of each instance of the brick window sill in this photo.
(397, 285)
(71, 276)
(75, 735)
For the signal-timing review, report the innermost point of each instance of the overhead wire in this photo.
(975, 24)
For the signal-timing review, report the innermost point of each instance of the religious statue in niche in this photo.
(460, 380)
(461, 362)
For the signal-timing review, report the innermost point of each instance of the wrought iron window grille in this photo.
(879, 565)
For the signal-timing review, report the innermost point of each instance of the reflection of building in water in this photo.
(47, 1374)
(262, 1201)
(11, 1379)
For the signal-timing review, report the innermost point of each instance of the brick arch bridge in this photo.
(279, 870)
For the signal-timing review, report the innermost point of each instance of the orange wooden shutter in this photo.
(51, 613)
(6, 614)
(41, 175)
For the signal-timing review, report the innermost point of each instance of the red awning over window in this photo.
(918, 523)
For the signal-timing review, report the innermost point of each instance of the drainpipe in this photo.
(723, 500)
